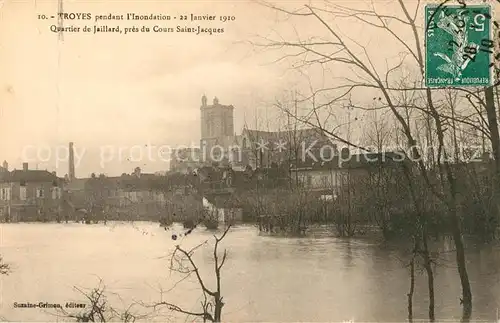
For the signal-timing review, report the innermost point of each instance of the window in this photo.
(56, 193)
(22, 193)
(224, 127)
(5, 194)
(39, 192)
(302, 180)
(209, 124)
(325, 180)
(309, 180)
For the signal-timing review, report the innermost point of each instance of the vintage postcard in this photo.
(249, 161)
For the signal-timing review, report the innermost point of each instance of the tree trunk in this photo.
(430, 275)
(412, 284)
(493, 125)
(462, 270)
(495, 144)
(218, 308)
(421, 232)
(455, 223)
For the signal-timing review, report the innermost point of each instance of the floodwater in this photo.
(319, 278)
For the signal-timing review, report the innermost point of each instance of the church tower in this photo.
(216, 120)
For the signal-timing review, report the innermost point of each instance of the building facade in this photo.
(125, 197)
(217, 122)
(30, 195)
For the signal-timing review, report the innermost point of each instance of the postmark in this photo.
(459, 45)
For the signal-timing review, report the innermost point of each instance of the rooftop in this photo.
(28, 176)
(308, 135)
(127, 182)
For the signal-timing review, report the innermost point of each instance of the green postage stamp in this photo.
(458, 45)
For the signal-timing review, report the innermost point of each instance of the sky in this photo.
(111, 92)
(118, 90)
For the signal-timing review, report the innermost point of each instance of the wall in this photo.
(146, 196)
(223, 214)
(328, 179)
(229, 121)
(27, 210)
(213, 211)
(118, 204)
(217, 121)
(320, 179)
(230, 215)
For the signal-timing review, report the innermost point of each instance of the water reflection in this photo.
(347, 254)
(265, 278)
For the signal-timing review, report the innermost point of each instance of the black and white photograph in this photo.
(250, 161)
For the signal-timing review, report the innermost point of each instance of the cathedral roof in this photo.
(308, 136)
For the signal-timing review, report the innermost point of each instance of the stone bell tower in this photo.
(216, 119)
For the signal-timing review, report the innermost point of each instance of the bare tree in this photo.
(96, 308)
(182, 262)
(4, 267)
(336, 48)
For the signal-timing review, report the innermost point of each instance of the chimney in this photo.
(25, 166)
(71, 173)
(5, 165)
